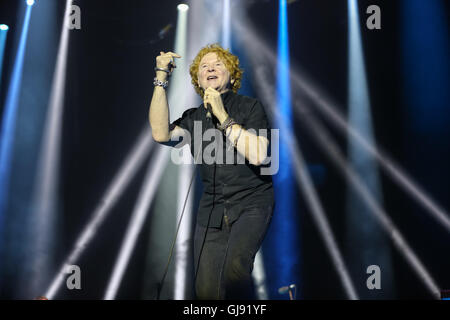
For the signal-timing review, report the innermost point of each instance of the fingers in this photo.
(171, 54)
(208, 90)
(209, 95)
(211, 91)
(167, 60)
(175, 55)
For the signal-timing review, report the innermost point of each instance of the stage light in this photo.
(266, 57)
(330, 148)
(145, 199)
(3, 187)
(393, 170)
(182, 246)
(8, 124)
(183, 7)
(319, 217)
(30, 2)
(45, 194)
(331, 112)
(359, 186)
(3, 35)
(373, 246)
(307, 188)
(425, 83)
(284, 240)
(259, 276)
(130, 166)
(226, 25)
(179, 176)
(282, 243)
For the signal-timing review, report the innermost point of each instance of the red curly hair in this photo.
(231, 63)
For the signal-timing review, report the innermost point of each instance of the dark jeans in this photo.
(227, 256)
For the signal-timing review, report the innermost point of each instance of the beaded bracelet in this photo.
(228, 122)
(159, 83)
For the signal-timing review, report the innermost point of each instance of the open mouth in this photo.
(211, 78)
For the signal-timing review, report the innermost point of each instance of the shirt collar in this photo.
(226, 96)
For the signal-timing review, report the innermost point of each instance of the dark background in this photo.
(109, 88)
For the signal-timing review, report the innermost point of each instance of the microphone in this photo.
(285, 289)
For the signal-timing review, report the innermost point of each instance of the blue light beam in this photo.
(284, 223)
(3, 35)
(8, 124)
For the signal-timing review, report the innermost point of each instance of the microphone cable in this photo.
(210, 120)
(161, 283)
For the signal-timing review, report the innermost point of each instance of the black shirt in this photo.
(228, 188)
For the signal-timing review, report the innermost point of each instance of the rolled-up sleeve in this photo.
(186, 121)
(257, 119)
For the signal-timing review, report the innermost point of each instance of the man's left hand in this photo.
(213, 98)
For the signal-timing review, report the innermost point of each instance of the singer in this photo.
(237, 201)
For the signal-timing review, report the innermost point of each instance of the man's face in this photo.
(212, 72)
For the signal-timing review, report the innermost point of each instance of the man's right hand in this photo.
(166, 60)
